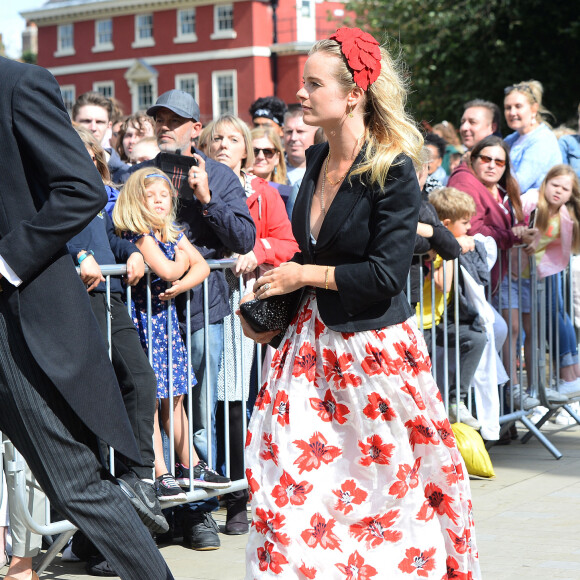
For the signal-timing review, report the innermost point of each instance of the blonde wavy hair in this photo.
(100, 159)
(534, 92)
(131, 214)
(265, 132)
(389, 129)
(573, 204)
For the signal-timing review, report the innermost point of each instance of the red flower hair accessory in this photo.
(362, 53)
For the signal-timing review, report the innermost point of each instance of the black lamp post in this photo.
(274, 56)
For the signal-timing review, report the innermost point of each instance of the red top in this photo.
(491, 218)
(275, 242)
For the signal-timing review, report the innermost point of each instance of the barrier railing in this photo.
(544, 331)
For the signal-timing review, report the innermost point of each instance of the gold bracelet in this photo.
(326, 278)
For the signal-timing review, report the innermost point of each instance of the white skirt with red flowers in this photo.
(351, 462)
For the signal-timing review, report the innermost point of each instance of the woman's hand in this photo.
(282, 280)
(466, 242)
(531, 237)
(197, 179)
(261, 337)
(245, 264)
(518, 230)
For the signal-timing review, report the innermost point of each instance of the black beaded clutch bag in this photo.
(273, 313)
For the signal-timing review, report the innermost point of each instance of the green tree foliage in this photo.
(457, 50)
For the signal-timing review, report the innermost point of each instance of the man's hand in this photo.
(135, 268)
(197, 180)
(91, 274)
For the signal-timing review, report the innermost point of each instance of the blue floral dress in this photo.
(159, 324)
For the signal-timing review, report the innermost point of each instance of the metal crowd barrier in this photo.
(63, 528)
(540, 377)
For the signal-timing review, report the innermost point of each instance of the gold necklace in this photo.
(326, 172)
(322, 209)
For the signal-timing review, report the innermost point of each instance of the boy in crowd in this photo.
(455, 209)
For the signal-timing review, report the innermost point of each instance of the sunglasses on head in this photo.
(267, 151)
(521, 87)
(487, 159)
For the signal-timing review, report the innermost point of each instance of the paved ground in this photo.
(528, 520)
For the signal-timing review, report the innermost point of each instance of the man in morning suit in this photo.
(58, 391)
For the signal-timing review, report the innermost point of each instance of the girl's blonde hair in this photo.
(533, 91)
(265, 132)
(573, 204)
(100, 159)
(131, 214)
(204, 138)
(239, 126)
(389, 129)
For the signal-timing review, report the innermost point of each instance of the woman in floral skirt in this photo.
(350, 458)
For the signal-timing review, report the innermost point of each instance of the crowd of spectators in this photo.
(231, 188)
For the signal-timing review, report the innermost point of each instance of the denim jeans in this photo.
(566, 332)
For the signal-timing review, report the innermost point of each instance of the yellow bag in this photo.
(473, 451)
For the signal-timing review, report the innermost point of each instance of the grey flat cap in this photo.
(180, 102)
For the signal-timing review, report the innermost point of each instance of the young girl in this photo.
(145, 214)
(555, 235)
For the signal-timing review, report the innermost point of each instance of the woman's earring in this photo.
(350, 112)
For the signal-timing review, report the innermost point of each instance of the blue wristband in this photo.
(84, 255)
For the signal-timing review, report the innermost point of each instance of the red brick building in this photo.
(223, 53)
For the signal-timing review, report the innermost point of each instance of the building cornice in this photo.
(188, 57)
(78, 10)
(292, 48)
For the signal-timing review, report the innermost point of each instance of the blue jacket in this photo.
(217, 229)
(570, 148)
(533, 155)
(99, 236)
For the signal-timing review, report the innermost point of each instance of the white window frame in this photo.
(140, 106)
(215, 75)
(227, 33)
(97, 86)
(188, 37)
(103, 46)
(186, 77)
(147, 41)
(65, 50)
(72, 89)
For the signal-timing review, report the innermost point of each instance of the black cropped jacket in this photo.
(368, 235)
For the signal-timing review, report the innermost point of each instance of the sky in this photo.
(12, 24)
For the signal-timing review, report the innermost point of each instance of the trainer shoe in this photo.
(200, 532)
(570, 389)
(68, 555)
(203, 476)
(459, 413)
(99, 566)
(144, 500)
(167, 489)
(554, 396)
(522, 400)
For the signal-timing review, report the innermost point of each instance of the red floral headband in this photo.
(362, 53)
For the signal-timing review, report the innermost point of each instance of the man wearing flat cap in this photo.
(214, 207)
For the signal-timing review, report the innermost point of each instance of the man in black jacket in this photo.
(58, 389)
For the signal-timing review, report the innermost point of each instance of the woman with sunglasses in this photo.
(269, 161)
(229, 142)
(487, 178)
(533, 147)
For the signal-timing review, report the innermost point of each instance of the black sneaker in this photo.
(201, 532)
(144, 500)
(98, 566)
(203, 476)
(167, 489)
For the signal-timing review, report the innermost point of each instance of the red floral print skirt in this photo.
(351, 462)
